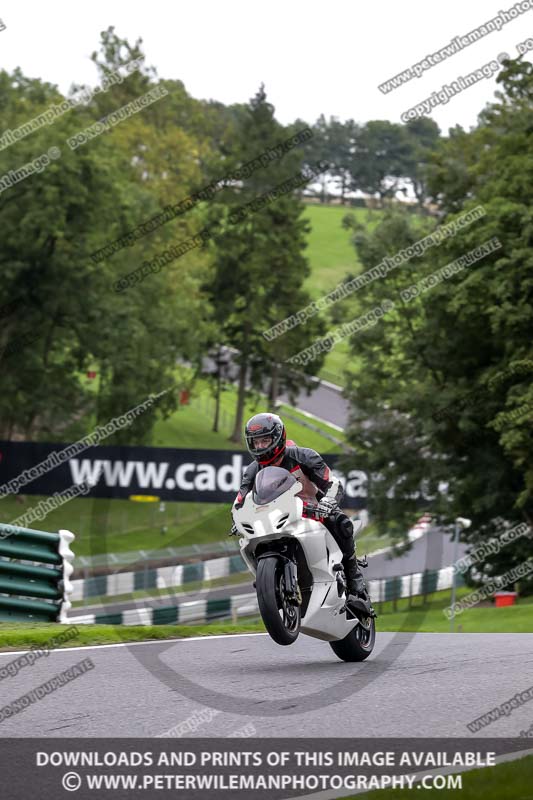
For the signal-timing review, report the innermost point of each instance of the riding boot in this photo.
(355, 585)
(354, 577)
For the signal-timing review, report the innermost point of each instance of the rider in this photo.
(266, 442)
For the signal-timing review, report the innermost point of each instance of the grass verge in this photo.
(429, 618)
(420, 618)
(116, 526)
(22, 636)
(512, 780)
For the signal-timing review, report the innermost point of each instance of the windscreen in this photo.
(270, 482)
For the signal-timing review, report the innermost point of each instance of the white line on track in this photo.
(135, 644)
(318, 419)
(210, 638)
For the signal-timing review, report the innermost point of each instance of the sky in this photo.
(314, 57)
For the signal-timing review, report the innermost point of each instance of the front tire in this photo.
(358, 644)
(282, 619)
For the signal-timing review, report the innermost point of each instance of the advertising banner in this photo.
(207, 476)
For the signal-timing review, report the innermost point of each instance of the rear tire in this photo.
(357, 645)
(282, 620)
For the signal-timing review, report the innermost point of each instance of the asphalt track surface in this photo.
(325, 401)
(428, 685)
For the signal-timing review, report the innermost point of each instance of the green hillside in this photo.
(191, 426)
(332, 256)
(330, 251)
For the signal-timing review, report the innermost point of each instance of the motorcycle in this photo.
(299, 577)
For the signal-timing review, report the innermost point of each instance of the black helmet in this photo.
(265, 426)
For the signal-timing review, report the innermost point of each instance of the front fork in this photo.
(292, 591)
(294, 596)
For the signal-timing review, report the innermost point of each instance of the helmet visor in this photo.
(260, 443)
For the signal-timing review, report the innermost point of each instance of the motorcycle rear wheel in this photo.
(358, 644)
(282, 619)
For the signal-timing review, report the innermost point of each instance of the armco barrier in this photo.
(167, 577)
(182, 613)
(246, 604)
(169, 554)
(35, 570)
(162, 578)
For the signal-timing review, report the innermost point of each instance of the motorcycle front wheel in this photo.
(281, 618)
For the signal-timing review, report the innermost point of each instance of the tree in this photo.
(343, 146)
(424, 134)
(334, 144)
(469, 333)
(383, 153)
(316, 150)
(54, 220)
(259, 262)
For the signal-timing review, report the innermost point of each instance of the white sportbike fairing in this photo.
(298, 567)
